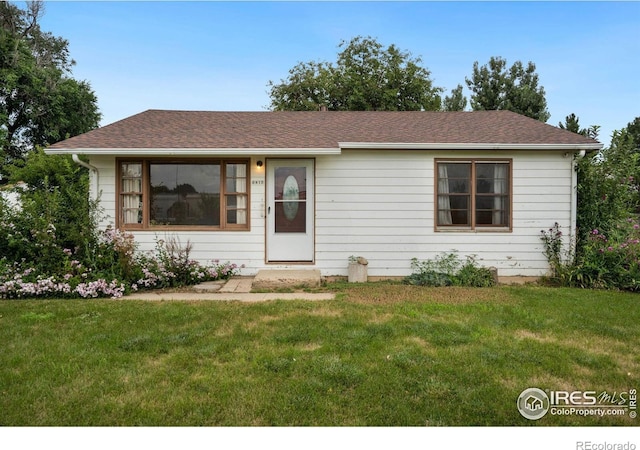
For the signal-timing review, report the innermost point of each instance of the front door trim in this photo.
(290, 216)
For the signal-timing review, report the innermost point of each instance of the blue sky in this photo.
(221, 55)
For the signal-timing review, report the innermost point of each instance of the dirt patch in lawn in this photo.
(526, 334)
(393, 293)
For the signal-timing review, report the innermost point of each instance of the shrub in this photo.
(55, 212)
(607, 187)
(447, 270)
(51, 245)
(609, 261)
(172, 266)
(113, 268)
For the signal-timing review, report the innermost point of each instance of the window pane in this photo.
(460, 218)
(131, 192)
(131, 174)
(237, 209)
(291, 183)
(132, 185)
(484, 170)
(460, 207)
(185, 194)
(131, 209)
(458, 170)
(131, 170)
(492, 199)
(236, 178)
(485, 202)
(492, 178)
(454, 185)
(492, 218)
(454, 178)
(235, 170)
(291, 217)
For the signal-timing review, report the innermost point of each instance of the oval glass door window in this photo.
(291, 196)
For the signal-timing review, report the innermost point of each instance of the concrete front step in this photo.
(267, 279)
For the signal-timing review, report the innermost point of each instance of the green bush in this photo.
(50, 245)
(114, 268)
(607, 188)
(447, 270)
(608, 261)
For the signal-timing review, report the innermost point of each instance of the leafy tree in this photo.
(55, 200)
(607, 187)
(633, 128)
(365, 77)
(607, 182)
(39, 102)
(456, 102)
(496, 87)
(57, 194)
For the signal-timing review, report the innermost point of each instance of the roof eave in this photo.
(466, 146)
(321, 150)
(193, 151)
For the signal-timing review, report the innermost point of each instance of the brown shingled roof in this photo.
(163, 129)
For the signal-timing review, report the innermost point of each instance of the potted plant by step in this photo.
(357, 269)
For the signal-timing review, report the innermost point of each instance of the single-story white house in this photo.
(310, 189)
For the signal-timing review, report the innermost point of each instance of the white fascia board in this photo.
(464, 146)
(196, 151)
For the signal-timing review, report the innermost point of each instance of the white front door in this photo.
(290, 210)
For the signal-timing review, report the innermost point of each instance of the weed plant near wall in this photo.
(447, 269)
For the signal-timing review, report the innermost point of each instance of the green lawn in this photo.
(380, 354)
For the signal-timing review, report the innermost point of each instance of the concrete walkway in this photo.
(234, 289)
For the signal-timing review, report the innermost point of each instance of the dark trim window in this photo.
(186, 194)
(473, 194)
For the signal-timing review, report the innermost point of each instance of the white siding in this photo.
(106, 188)
(379, 204)
(240, 247)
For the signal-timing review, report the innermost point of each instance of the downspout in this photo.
(95, 180)
(574, 197)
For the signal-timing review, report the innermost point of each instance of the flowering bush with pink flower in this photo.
(112, 268)
(51, 246)
(609, 261)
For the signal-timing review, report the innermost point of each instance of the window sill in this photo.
(473, 230)
(193, 228)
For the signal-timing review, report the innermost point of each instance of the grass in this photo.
(380, 354)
